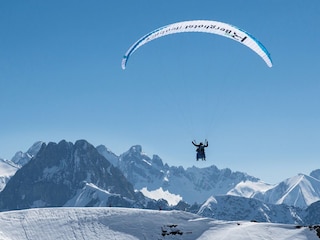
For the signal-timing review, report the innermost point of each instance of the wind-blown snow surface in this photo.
(130, 224)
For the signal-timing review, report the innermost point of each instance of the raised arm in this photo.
(195, 144)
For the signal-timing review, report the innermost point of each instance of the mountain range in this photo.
(150, 175)
(79, 174)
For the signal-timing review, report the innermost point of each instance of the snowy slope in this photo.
(232, 208)
(249, 188)
(299, 191)
(158, 181)
(7, 170)
(134, 224)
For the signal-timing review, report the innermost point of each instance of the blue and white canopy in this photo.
(206, 26)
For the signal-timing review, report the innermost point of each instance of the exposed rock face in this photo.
(57, 172)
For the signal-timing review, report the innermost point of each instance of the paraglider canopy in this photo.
(206, 26)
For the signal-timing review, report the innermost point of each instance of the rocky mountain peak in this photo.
(22, 158)
(57, 172)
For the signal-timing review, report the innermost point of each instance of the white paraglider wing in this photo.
(206, 26)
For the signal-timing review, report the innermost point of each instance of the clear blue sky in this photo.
(61, 78)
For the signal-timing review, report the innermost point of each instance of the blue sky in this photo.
(61, 78)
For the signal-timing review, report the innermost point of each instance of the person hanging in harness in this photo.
(200, 150)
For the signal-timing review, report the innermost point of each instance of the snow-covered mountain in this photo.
(67, 174)
(155, 179)
(158, 180)
(232, 208)
(62, 173)
(299, 191)
(132, 224)
(249, 188)
(194, 184)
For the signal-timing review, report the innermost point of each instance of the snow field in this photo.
(132, 224)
